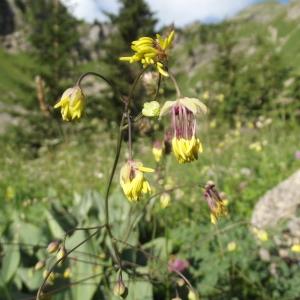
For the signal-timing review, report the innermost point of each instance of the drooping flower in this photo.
(151, 51)
(132, 180)
(177, 264)
(53, 246)
(192, 295)
(215, 202)
(120, 289)
(151, 109)
(71, 103)
(157, 150)
(186, 146)
(261, 234)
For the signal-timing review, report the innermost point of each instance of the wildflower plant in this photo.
(136, 179)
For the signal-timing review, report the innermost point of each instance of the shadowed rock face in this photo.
(279, 204)
(7, 24)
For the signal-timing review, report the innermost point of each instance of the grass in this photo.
(82, 162)
(16, 79)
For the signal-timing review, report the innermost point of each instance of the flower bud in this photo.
(71, 103)
(39, 265)
(120, 289)
(231, 246)
(180, 282)
(51, 277)
(151, 109)
(53, 246)
(192, 295)
(61, 254)
(67, 273)
(165, 199)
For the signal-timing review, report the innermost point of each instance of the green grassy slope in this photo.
(17, 70)
(16, 80)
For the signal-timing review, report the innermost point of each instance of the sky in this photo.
(179, 12)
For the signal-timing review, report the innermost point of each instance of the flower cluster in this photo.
(151, 51)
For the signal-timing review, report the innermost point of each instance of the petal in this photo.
(145, 170)
(125, 58)
(188, 104)
(201, 107)
(166, 108)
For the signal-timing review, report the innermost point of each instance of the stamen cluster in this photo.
(215, 202)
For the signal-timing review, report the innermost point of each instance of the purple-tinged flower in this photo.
(177, 264)
(186, 146)
(215, 202)
(297, 154)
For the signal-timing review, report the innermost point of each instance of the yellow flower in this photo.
(10, 193)
(261, 234)
(257, 146)
(213, 124)
(151, 109)
(192, 295)
(205, 95)
(186, 146)
(220, 98)
(132, 180)
(186, 150)
(67, 273)
(215, 202)
(231, 246)
(164, 199)
(71, 103)
(157, 153)
(158, 150)
(219, 210)
(151, 51)
(295, 248)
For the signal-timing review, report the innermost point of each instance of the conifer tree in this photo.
(54, 37)
(133, 20)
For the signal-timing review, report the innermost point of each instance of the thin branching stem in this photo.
(40, 290)
(178, 92)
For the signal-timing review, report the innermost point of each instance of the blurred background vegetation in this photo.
(53, 175)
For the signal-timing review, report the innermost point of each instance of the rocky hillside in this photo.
(277, 23)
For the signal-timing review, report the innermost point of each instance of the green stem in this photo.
(107, 223)
(178, 92)
(158, 87)
(61, 259)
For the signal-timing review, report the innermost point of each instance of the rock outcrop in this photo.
(280, 204)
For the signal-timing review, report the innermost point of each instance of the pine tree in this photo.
(54, 37)
(133, 20)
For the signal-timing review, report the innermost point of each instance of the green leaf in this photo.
(84, 266)
(31, 278)
(54, 226)
(161, 247)
(11, 261)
